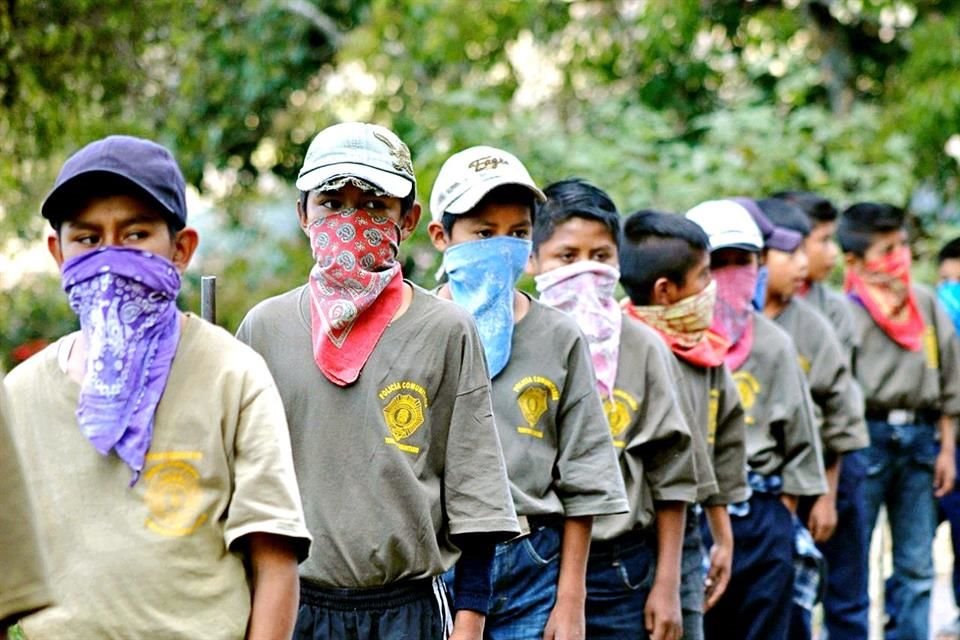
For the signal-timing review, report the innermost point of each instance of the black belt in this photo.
(529, 524)
(903, 416)
(366, 599)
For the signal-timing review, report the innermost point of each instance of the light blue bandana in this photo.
(760, 292)
(481, 275)
(949, 295)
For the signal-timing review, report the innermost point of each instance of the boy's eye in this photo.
(484, 233)
(521, 233)
(87, 240)
(374, 204)
(331, 203)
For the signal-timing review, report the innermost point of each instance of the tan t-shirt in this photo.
(159, 559)
(23, 580)
(560, 460)
(781, 433)
(838, 403)
(718, 414)
(895, 378)
(393, 465)
(649, 430)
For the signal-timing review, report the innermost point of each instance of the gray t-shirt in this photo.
(393, 465)
(838, 403)
(649, 430)
(834, 306)
(781, 433)
(894, 378)
(560, 460)
(717, 414)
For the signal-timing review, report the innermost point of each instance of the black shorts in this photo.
(409, 610)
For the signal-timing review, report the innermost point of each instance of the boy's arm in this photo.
(662, 616)
(275, 587)
(823, 515)
(567, 619)
(721, 554)
(944, 470)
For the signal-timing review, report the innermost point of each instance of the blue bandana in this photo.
(760, 292)
(481, 275)
(949, 295)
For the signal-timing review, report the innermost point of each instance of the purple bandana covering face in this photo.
(126, 302)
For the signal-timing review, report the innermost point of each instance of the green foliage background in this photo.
(662, 103)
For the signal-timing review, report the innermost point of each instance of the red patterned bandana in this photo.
(883, 288)
(355, 289)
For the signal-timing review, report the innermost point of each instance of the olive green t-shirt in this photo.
(717, 413)
(895, 378)
(23, 580)
(649, 431)
(165, 557)
(838, 403)
(560, 460)
(781, 433)
(835, 307)
(393, 465)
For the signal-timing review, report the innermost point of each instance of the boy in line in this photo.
(907, 366)
(665, 271)
(23, 582)
(635, 569)
(948, 293)
(783, 452)
(560, 461)
(839, 406)
(157, 444)
(388, 401)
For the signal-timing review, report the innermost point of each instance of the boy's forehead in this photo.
(580, 227)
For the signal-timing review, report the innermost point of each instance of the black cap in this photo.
(146, 165)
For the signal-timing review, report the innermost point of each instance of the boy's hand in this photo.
(718, 577)
(468, 625)
(944, 472)
(567, 621)
(823, 518)
(662, 616)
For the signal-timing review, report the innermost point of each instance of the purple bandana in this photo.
(126, 302)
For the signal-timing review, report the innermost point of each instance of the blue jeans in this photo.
(619, 578)
(950, 510)
(525, 573)
(899, 475)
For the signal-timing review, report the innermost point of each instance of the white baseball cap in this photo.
(467, 176)
(728, 225)
(366, 151)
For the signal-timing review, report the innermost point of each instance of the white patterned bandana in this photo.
(355, 289)
(126, 302)
(585, 290)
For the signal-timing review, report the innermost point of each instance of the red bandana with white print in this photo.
(883, 288)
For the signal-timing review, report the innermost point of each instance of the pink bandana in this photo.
(355, 289)
(585, 291)
(733, 316)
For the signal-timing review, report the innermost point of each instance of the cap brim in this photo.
(54, 208)
(396, 185)
(734, 240)
(469, 199)
(786, 240)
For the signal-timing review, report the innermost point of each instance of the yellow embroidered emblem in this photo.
(619, 408)
(748, 388)
(404, 412)
(533, 397)
(173, 496)
(713, 411)
(931, 348)
(804, 363)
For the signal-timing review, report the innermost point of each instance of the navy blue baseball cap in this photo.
(117, 161)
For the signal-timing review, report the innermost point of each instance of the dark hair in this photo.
(949, 251)
(574, 198)
(406, 204)
(81, 194)
(658, 245)
(785, 214)
(817, 208)
(860, 221)
(504, 194)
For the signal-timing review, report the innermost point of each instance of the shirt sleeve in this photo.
(832, 387)
(663, 442)
(729, 443)
(23, 581)
(588, 478)
(476, 491)
(266, 498)
(803, 472)
(948, 346)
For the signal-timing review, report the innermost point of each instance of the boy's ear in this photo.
(851, 259)
(184, 246)
(302, 216)
(763, 256)
(53, 246)
(409, 221)
(437, 236)
(662, 292)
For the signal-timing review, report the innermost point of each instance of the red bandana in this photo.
(884, 290)
(355, 290)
